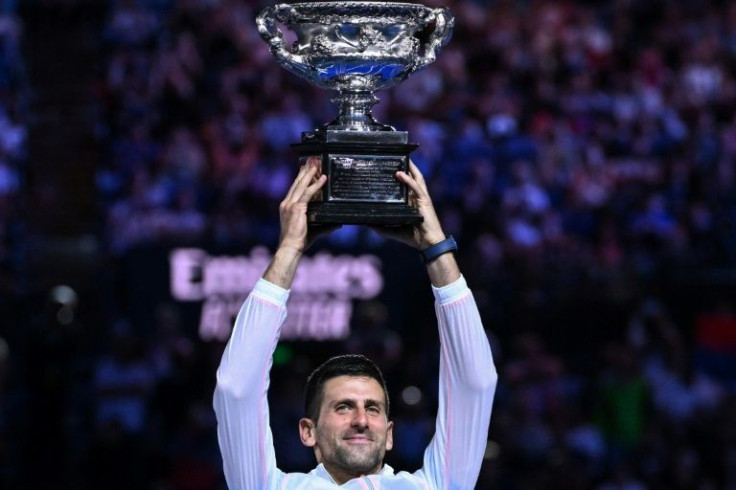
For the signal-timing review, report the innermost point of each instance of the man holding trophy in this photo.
(346, 419)
(350, 429)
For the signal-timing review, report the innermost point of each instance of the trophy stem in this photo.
(355, 112)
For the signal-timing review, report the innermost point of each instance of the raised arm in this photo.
(467, 373)
(296, 235)
(240, 398)
(443, 270)
(467, 383)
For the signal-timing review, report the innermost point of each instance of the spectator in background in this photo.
(625, 405)
(679, 389)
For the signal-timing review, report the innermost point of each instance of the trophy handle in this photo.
(444, 24)
(269, 31)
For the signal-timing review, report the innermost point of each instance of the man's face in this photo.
(353, 432)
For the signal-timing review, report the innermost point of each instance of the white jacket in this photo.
(467, 384)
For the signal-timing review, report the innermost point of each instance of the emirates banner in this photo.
(320, 303)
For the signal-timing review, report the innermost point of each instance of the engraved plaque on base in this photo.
(356, 48)
(362, 187)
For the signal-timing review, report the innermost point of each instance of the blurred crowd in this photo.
(13, 143)
(601, 137)
(582, 153)
(14, 118)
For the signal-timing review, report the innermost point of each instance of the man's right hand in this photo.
(296, 235)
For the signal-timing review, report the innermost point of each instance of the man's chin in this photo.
(361, 458)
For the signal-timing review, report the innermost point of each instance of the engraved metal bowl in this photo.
(355, 46)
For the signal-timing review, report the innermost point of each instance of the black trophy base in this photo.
(357, 213)
(361, 187)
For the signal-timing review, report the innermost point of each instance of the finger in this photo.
(314, 170)
(313, 188)
(302, 183)
(309, 167)
(302, 170)
(415, 172)
(417, 175)
(411, 183)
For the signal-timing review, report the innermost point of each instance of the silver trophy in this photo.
(356, 48)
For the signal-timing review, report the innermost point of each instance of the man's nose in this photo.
(360, 418)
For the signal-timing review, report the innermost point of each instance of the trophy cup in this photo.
(356, 48)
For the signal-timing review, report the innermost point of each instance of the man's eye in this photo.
(342, 408)
(374, 410)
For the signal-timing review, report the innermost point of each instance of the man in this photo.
(346, 420)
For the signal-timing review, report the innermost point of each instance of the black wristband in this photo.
(432, 252)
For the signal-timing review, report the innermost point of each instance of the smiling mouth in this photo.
(358, 440)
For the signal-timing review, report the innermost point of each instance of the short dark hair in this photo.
(345, 365)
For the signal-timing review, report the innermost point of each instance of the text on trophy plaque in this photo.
(365, 179)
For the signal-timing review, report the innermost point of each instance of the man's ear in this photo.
(389, 436)
(307, 432)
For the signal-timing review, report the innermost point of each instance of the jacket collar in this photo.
(322, 472)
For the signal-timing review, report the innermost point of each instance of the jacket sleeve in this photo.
(467, 383)
(240, 401)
